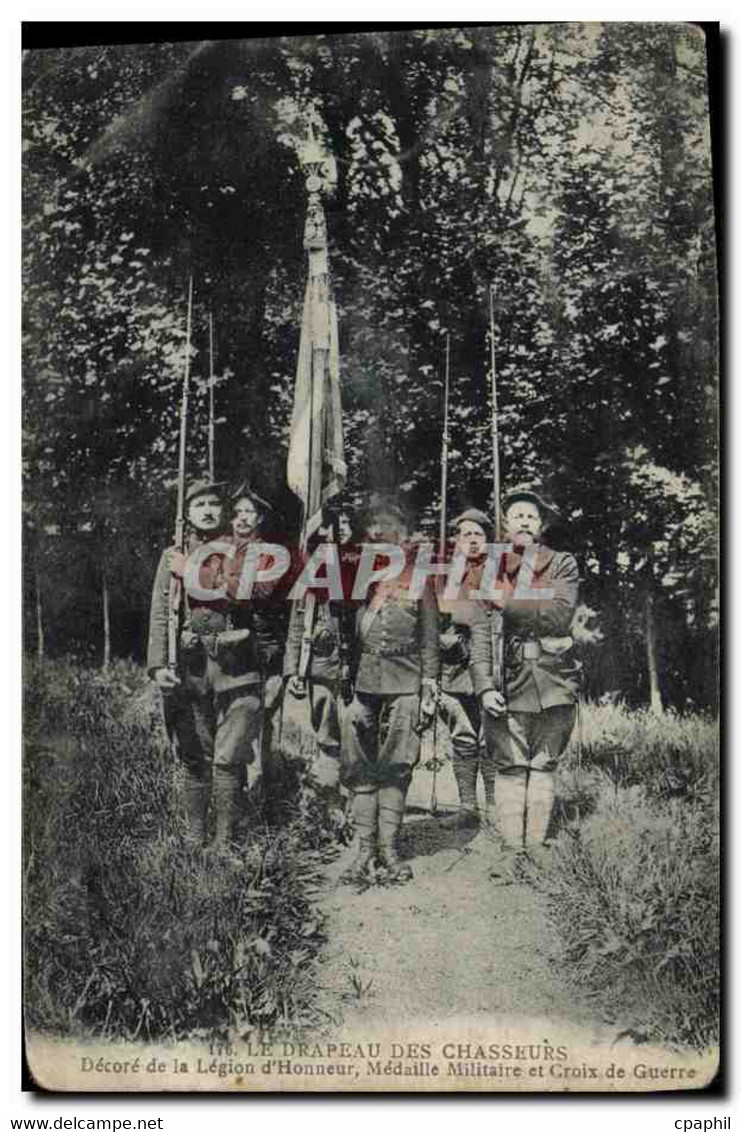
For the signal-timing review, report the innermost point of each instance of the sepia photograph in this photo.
(370, 560)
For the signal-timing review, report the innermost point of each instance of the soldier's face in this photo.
(245, 518)
(471, 540)
(385, 527)
(345, 529)
(205, 513)
(523, 520)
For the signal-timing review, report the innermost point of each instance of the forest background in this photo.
(568, 166)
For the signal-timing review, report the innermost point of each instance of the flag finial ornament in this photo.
(315, 162)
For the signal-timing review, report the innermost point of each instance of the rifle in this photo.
(497, 623)
(345, 686)
(307, 635)
(211, 474)
(441, 552)
(175, 616)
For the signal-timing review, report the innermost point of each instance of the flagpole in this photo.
(316, 469)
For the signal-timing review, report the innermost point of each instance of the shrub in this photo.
(129, 932)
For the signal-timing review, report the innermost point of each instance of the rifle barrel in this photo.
(494, 419)
(180, 517)
(176, 586)
(444, 462)
(211, 398)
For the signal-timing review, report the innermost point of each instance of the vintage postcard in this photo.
(370, 562)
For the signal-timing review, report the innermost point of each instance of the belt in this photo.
(403, 650)
(204, 631)
(210, 639)
(207, 624)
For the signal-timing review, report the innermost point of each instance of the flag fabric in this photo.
(316, 459)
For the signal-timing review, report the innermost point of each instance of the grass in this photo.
(632, 888)
(129, 933)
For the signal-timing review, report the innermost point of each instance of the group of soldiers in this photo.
(377, 665)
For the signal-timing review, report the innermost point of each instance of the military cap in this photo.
(378, 504)
(336, 506)
(245, 491)
(524, 491)
(473, 515)
(204, 487)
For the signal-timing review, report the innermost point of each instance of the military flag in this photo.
(316, 460)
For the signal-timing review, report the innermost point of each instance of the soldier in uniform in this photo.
(395, 687)
(264, 614)
(316, 664)
(464, 679)
(542, 677)
(264, 610)
(214, 701)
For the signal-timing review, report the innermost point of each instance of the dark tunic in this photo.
(397, 646)
(540, 667)
(397, 639)
(227, 648)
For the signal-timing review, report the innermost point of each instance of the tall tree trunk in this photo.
(106, 625)
(655, 702)
(39, 616)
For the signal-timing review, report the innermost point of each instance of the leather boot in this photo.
(541, 793)
(225, 794)
(196, 794)
(465, 768)
(363, 849)
(509, 810)
(391, 801)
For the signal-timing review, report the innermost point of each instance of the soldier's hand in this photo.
(166, 680)
(494, 703)
(297, 687)
(176, 561)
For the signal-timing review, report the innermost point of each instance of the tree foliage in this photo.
(564, 166)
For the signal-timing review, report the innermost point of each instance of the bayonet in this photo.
(176, 585)
(497, 628)
(211, 473)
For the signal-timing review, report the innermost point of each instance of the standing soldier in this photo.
(213, 697)
(395, 684)
(542, 681)
(317, 664)
(463, 678)
(264, 611)
(263, 616)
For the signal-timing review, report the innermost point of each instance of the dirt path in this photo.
(453, 943)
